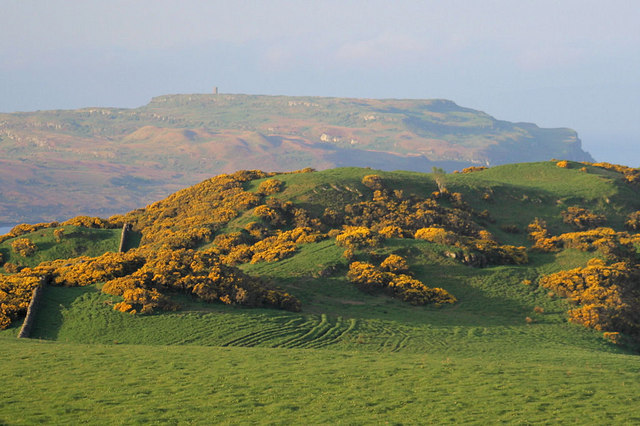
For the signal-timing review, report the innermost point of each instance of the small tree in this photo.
(439, 177)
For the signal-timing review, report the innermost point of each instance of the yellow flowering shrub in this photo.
(633, 221)
(242, 253)
(256, 230)
(391, 231)
(272, 249)
(582, 219)
(58, 234)
(607, 296)
(542, 241)
(270, 187)
(283, 244)
(473, 169)
(89, 222)
(435, 235)
(368, 277)
(373, 182)
(357, 237)
(15, 295)
(226, 242)
(394, 263)
(24, 247)
(199, 273)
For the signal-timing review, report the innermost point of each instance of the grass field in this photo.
(504, 353)
(48, 382)
(347, 358)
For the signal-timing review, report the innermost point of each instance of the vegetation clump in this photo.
(24, 247)
(472, 169)
(90, 222)
(630, 175)
(581, 218)
(393, 277)
(270, 187)
(607, 295)
(633, 221)
(358, 237)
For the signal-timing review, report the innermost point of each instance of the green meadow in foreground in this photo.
(504, 352)
(53, 382)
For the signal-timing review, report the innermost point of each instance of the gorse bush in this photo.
(473, 169)
(24, 247)
(391, 231)
(633, 221)
(90, 222)
(606, 292)
(436, 235)
(395, 264)
(582, 219)
(199, 273)
(270, 187)
(58, 234)
(611, 244)
(15, 295)
(373, 182)
(358, 237)
(392, 277)
(608, 296)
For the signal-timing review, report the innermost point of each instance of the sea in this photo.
(5, 229)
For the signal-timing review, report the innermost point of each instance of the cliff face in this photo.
(100, 161)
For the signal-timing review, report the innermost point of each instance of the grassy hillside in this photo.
(505, 350)
(75, 241)
(102, 161)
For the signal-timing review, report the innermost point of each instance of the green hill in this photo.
(100, 161)
(260, 297)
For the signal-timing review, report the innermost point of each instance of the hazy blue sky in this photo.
(573, 63)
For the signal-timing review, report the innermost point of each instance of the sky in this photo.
(561, 63)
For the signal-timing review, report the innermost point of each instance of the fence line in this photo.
(32, 310)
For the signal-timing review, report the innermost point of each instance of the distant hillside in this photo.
(99, 161)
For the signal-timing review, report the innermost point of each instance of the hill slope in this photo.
(310, 233)
(355, 351)
(100, 161)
